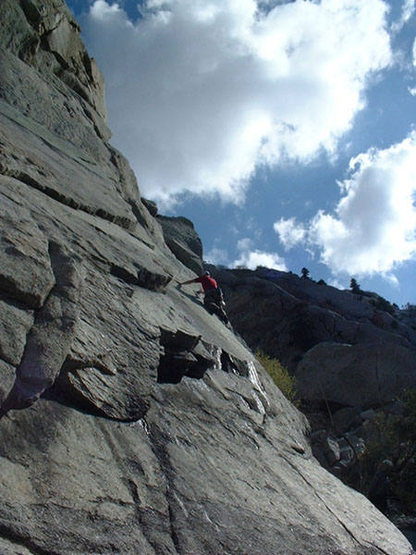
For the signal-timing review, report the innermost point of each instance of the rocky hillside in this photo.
(350, 349)
(132, 421)
(294, 314)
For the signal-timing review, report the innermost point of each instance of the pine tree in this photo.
(354, 286)
(305, 273)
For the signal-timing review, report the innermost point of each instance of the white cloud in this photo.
(200, 92)
(244, 244)
(255, 258)
(103, 12)
(216, 256)
(408, 9)
(337, 284)
(290, 232)
(251, 258)
(414, 53)
(374, 225)
(393, 280)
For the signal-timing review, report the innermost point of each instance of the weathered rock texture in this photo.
(182, 239)
(364, 374)
(146, 425)
(342, 347)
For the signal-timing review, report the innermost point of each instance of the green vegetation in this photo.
(355, 288)
(280, 375)
(305, 273)
(376, 300)
(382, 304)
(393, 438)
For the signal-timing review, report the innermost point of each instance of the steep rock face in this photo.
(46, 36)
(146, 425)
(183, 241)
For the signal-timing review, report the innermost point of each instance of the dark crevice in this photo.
(138, 214)
(226, 363)
(8, 298)
(141, 514)
(152, 280)
(180, 357)
(123, 274)
(89, 116)
(32, 14)
(54, 322)
(188, 355)
(150, 206)
(9, 287)
(86, 60)
(68, 76)
(59, 394)
(23, 541)
(173, 533)
(129, 190)
(142, 278)
(158, 443)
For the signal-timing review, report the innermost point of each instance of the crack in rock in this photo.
(49, 340)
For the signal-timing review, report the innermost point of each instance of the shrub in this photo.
(382, 304)
(393, 437)
(280, 375)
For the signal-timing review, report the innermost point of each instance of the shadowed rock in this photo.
(110, 459)
(356, 375)
(49, 340)
(183, 241)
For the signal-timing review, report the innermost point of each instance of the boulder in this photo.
(356, 375)
(347, 418)
(331, 450)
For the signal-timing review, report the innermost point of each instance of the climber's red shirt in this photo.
(207, 283)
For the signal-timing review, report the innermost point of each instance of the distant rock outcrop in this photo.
(146, 425)
(295, 314)
(361, 375)
(183, 241)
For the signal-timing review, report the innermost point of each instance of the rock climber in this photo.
(213, 298)
(208, 283)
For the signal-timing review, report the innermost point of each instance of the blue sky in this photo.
(284, 130)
